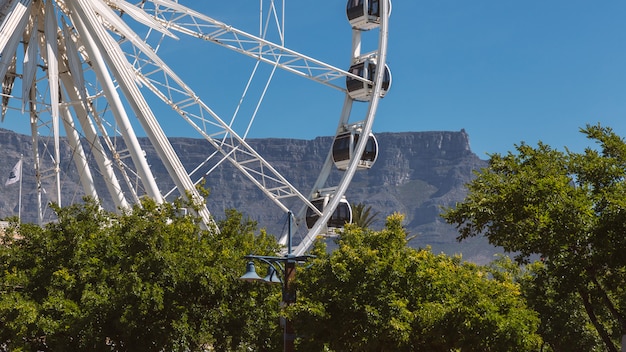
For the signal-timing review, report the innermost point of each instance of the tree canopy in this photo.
(569, 209)
(144, 280)
(151, 279)
(374, 293)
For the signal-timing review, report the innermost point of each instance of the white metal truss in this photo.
(87, 70)
(184, 20)
(162, 81)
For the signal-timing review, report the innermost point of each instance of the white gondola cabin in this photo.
(344, 147)
(341, 216)
(362, 91)
(364, 14)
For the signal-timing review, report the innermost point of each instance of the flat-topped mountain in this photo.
(417, 173)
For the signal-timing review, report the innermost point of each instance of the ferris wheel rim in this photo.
(367, 127)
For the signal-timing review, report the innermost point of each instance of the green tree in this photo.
(362, 215)
(144, 280)
(569, 209)
(374, 293)
(564, 327)
(564, 324)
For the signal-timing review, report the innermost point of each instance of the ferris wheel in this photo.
(89, 74)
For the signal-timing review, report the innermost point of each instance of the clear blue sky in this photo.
(505, 71)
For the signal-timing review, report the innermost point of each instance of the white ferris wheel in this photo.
(86, 72)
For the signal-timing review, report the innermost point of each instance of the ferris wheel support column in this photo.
(79, 157)
(36, 162)
(80, 160)
(105, 165)
(117, 108)
(50, 32)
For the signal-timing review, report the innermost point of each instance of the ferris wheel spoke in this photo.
(11, 31)
(7, 86)
(98, 47)
(13, 25)
(109, 49)
(189, 22)
(79, 157)
(171, 89)
(224, 139)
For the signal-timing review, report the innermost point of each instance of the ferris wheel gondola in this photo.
(344, 149)
(364, 14)
(365, 68)
(341, 215)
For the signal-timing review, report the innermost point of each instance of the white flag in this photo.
(15, 174)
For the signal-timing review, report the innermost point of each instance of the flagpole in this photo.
(19, 203)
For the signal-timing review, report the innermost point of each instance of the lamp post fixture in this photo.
(285, 265)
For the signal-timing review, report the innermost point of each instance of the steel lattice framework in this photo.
(80, 68)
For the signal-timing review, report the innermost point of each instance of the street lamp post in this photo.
(285, 265)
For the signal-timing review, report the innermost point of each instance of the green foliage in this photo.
(564, 324)
(569, 209)
(374, 293)
(145, 280)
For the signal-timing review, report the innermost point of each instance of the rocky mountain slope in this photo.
(417, 173)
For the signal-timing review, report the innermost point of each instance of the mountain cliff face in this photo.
(417, 173)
